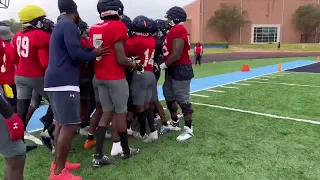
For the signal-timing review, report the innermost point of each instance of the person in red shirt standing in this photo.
(9, 62)
(142, 45)
(198, 51)
(32, 46)
(179, 72)
(112, 85)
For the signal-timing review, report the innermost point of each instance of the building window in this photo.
(265, 34)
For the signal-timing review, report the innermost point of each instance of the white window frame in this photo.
(278, 26)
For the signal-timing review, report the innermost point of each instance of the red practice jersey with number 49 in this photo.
(33, 50)
(106, 34)
(177, 32)
(144, 47)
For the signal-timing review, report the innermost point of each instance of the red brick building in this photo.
(271, 21)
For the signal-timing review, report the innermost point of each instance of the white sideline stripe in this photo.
(229, 87)
(258, 113)
(199, 95)
(212, 90)
(287, 84)
(223, 84)
(242, 84)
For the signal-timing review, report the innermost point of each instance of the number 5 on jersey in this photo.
(22, 46)
(97, 43)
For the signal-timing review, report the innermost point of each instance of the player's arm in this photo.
(121, 56)
(5, 109)
(177, 50)
(43, 50)
(73, 44)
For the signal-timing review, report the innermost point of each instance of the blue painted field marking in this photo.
(199, 84)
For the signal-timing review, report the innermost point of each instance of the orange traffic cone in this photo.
(245, 68)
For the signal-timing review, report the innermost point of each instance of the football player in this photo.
(112, 85)
(32, 46)
(8, 66)
(129, 73)
(179, 72)
(142, 45)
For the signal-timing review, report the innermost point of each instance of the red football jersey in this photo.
(8, 67)
(1, 48)
(84, 66)
(33, 50)
(107, 33)
(177, 31)
(144, 47)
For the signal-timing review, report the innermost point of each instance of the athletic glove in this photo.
(15, 127)
(8, 91)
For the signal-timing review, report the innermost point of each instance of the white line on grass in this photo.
(221, 85)
(263, 79)
(276, 75)
(199, 95)
(269, 76)
(212, 90)
(243, 79)
(287, 84)
(242, 84)
(229, 87)
(294, 72)
(258, 113)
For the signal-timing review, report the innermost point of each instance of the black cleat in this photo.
(133, 152)
(99, 162)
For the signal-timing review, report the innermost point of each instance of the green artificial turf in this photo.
(210, 69)
(227, 144)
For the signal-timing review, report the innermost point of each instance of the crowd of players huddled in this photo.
(100, 77)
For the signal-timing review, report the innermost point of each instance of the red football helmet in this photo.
(4, 4)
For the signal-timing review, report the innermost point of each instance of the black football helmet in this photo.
(175, 15)
(110, 7)
(141, 24)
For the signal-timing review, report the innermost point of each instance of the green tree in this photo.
(14, 25)
(228, 19)
(307, 18)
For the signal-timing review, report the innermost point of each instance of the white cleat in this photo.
(84, 131)
(129, 132)
(116, 149)
(187, 134)
(152, 137)
(108, 136)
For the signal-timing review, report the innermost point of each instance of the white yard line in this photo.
(263, 79)
(258, 113)
(268, 76)
(294, 72)
(199, 95)
(242, 84)
(229, 87)
(212, 90)
(287, 84)
(245, 79)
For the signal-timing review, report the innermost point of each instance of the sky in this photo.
(155, 9)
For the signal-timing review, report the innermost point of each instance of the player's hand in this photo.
(102, 51)
(163, 66)
(133, 58)
(15, 128)
(139, 67)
